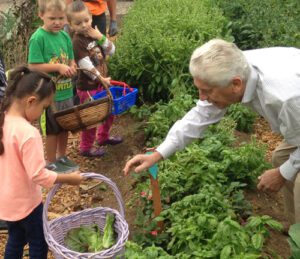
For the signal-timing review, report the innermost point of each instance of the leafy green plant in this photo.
(19, 22)
(108, 232)
(84, 239)
(90, 239)
(294, 241)
(135, 251)
(243, 116)
(8, 22)
(245, 163)
(162, 119)
(256, 24)
(157, 40)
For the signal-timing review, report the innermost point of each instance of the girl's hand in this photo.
(75, 178)
(94, 33)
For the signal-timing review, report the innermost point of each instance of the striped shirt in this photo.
(273, 91)
(3, 83)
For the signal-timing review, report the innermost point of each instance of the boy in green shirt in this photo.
(51, 51)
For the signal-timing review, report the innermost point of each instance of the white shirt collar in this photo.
(250, 86)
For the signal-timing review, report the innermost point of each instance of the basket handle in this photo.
(88, 175)
(106, 86)
(124, 85)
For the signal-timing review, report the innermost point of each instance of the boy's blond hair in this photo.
(47, 5)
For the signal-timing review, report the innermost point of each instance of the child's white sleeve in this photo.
(87, 64)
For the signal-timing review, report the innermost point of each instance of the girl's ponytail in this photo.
(23, 81)
(3, 106)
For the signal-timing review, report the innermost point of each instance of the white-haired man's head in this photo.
(220, 71)
(217, 62)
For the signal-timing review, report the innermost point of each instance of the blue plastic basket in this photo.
(123, 98)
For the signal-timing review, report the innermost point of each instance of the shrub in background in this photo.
(157, 40)
(267, 23)
(18, 23)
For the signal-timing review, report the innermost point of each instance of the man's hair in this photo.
(47, 5)
(217, 62)
(76, 7)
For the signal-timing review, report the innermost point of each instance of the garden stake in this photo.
(155, 193)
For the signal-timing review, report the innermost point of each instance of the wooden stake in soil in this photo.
(156, 194)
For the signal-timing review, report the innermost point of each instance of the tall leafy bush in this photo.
(18, 23)
(157, 40)
(265, 23)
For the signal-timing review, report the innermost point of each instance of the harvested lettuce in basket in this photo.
(84, 239)
(89, 238)
(109, 233)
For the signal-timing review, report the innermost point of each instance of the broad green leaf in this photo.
(257, 240)
(225, 253)
(274, 224)
(294, 233)
(294, 249)
(254, 222)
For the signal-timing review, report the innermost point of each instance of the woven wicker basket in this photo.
(86, 115)
(56, 230)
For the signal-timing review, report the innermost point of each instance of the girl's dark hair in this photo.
(22, 82)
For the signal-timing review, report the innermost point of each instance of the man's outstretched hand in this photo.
(271, 180)
(141, 162)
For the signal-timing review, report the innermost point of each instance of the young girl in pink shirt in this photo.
(22, 163)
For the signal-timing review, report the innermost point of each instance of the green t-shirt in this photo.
(53, 48)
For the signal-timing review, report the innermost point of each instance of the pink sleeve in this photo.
(34, 162)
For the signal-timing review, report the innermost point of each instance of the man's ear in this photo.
(237, 85)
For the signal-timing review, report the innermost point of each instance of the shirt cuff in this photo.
(166, 149)
(288, 171)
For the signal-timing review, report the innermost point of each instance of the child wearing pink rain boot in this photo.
(90, 49)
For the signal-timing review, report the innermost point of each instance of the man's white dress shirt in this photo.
(273, 91)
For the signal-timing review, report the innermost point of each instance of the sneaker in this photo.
(93, 153)
(58, 168)
(115, 140)
(67, 163)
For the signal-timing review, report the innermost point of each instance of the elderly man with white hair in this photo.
(266, 80)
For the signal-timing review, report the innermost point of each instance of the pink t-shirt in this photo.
(22, 169)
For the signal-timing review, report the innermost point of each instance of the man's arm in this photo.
(184, 131)
(112, 8)
(273, 179)
(190, 127)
